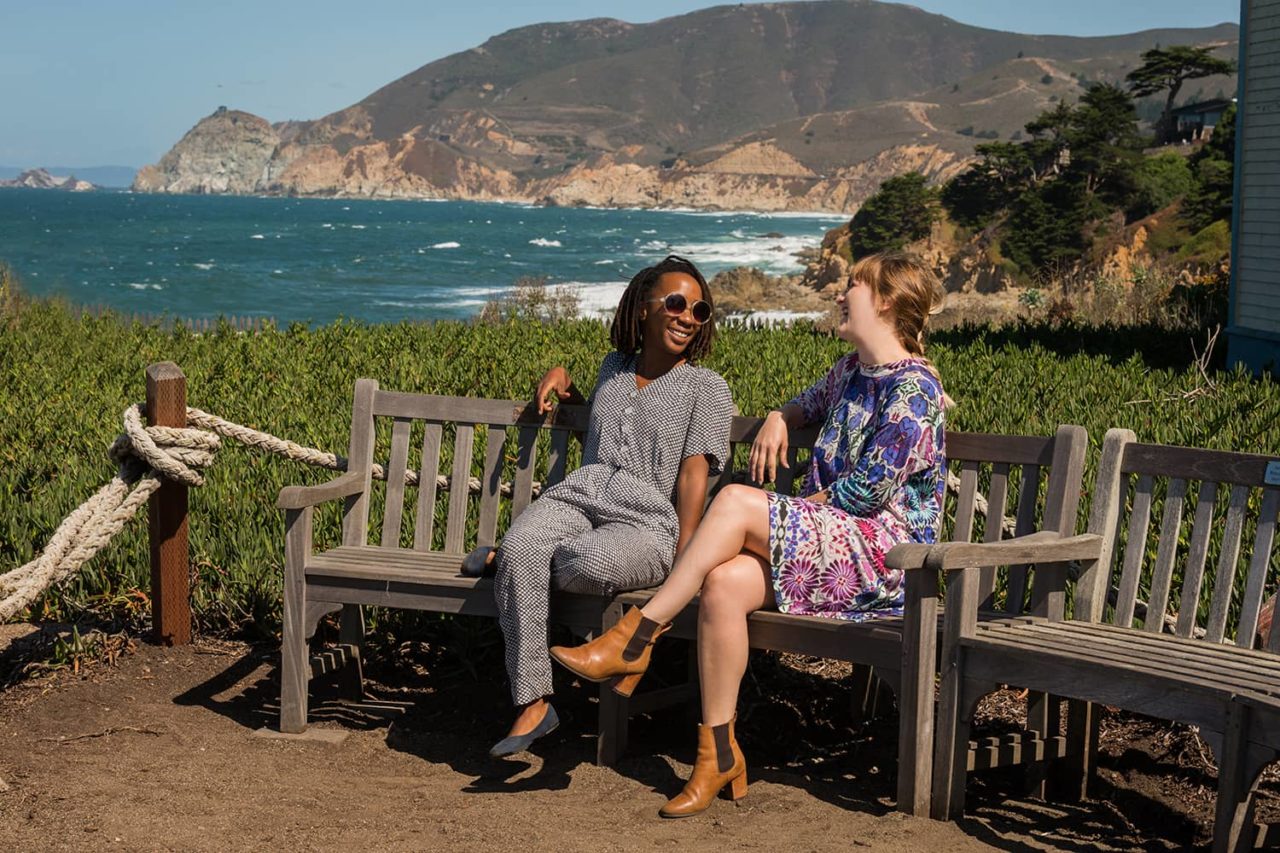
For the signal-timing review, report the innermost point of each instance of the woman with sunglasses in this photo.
(876, 480)
(658, 429)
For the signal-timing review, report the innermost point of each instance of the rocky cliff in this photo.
(779, 106)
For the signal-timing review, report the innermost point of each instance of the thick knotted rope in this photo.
(140, 453)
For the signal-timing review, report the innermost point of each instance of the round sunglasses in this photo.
(675, 305)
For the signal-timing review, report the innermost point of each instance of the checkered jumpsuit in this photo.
(610, 525)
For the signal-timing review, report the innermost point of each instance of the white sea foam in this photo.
(207, 266)
(257, 236)
(604, 262)
(596, 298)
(145, 285)
(775, 316)
(326, 224)
(545, 243)
(772, 254)
(451, 244)
(358, 227)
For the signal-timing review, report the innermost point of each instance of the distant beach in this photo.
(314, 260)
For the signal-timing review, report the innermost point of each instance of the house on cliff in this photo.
(1253, 331)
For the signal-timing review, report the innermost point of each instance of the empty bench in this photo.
(1185, 654)
(426, 531)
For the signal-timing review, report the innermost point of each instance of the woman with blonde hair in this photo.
(876, 480)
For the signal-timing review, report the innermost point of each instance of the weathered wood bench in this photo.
(1185, 657)
(1037, 476)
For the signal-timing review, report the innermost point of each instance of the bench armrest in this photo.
(301, 497)
(1044, 547)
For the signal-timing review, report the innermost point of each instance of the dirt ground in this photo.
(161, 751)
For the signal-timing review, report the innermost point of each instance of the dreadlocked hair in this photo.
(625, 334)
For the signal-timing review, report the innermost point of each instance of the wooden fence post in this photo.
(167, 513)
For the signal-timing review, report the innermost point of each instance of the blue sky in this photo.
(87, 82)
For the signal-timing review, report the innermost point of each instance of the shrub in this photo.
(901, 211)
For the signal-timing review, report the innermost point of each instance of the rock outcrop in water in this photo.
(40, 179)
(779, 106)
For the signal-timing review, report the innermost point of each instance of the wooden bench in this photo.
(1183, 657)
(1038, 477)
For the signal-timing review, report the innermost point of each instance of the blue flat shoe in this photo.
(512, 744)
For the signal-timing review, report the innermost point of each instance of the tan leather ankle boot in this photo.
(719, 764)
(619, 655)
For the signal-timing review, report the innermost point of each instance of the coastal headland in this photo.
(778, 107)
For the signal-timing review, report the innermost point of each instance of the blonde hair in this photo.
(912, 292)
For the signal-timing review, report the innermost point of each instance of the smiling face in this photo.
(658, 328)
(861, 315)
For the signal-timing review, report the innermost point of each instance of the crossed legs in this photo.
(727, 562)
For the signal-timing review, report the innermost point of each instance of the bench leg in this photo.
(611, 739)
(1043, 715)
(1072, 776)
(957, 701)
(1238, 768)
(295, 662)
(351, 635)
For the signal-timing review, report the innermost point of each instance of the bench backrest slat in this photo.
(429, 470)
(966, 502)
(526, 460)
(487, 533)
(1135, 550)
(355, 509)
(1259, 562)
(1166, 552)
(557, 457)
(1195, 586)
(394, 510)
(1224, 576)
(459, 488)
(1193, 575)
(997, 499)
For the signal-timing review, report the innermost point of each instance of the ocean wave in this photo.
(257, 236)
(145, 285)
(545, 243)
(207, 266)
(605, 262)
(451, 244)
(358, 227)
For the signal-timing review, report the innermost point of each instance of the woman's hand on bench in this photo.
(556, 382)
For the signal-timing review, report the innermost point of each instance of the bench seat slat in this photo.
(1154, 661)
(1187, 654)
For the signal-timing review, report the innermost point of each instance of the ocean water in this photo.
(314, 260)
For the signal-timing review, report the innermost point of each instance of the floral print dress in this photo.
(880, 458)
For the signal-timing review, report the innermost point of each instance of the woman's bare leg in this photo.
(737, 522)
(731, 592)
